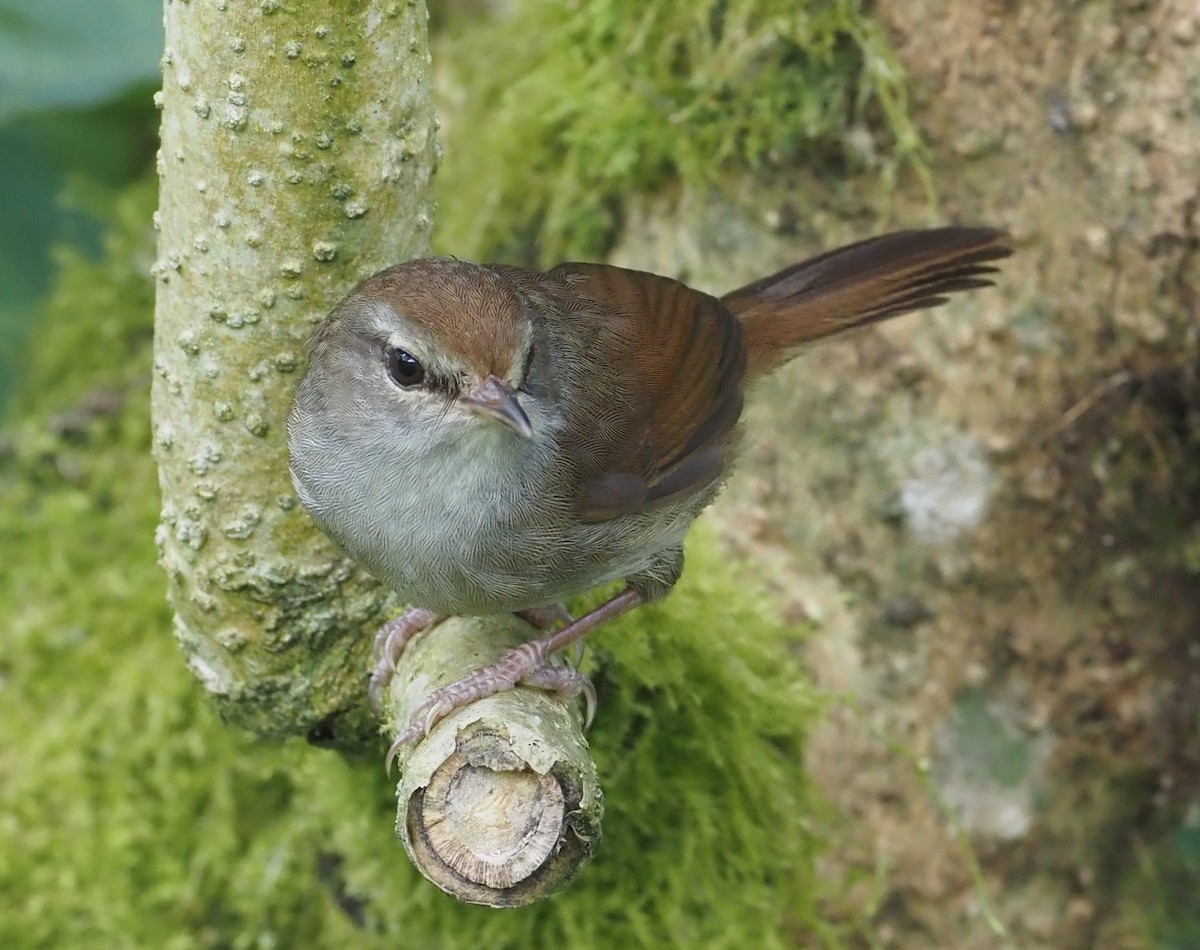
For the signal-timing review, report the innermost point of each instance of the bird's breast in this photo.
(476, 525)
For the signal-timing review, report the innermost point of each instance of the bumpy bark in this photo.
(297, 151)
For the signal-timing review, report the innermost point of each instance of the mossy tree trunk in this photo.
(297, 154)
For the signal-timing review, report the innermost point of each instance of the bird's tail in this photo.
(860, 284)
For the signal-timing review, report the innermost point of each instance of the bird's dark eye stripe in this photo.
(448, 387)
(528, 364)
(404, 368)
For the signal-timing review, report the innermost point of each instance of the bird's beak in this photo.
(496, 400)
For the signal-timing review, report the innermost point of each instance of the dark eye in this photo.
(404, 368)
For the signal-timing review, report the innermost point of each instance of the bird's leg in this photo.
(546, 618)
(390, 642)
(524, 664)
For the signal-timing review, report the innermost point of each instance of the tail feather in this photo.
(859, 284)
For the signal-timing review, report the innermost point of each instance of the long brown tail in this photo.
(859, 284)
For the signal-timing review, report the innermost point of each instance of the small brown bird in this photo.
(485, 438)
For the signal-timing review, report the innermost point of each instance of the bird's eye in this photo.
(404, 368)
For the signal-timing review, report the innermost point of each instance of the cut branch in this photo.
(500, 804)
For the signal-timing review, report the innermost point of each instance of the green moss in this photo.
(1160, 899)
(563, 109)
(130, 817)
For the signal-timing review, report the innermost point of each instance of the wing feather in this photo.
(654, 418)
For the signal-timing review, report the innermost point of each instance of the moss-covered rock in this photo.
(556, 112)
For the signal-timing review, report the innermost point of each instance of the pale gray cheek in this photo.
(307, 478)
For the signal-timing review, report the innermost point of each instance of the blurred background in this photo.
(77, 122)
(983, 524)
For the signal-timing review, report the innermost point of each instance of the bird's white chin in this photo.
(454, 440)
(422, 502)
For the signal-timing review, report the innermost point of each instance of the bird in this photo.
(487, 438)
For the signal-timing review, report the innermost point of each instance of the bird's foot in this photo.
(390, 642)
(524, 665)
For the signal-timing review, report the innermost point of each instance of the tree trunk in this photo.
(297, 155)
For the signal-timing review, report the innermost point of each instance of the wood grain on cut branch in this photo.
(500, 803)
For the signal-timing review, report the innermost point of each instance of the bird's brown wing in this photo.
(663, 394)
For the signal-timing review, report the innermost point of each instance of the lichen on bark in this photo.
(297, 153)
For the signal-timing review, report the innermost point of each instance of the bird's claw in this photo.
(416, 731)
(568, 682)
(390, 641)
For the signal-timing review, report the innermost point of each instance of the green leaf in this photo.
(63, 52)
